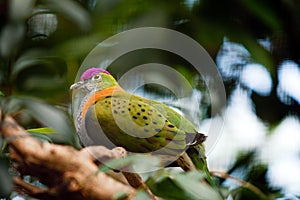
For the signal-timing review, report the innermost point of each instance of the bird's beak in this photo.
(77, 85)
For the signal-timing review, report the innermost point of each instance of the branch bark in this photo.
(67, 172)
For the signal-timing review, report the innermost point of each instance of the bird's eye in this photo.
(96, 77)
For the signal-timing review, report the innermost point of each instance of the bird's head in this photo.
(94, 79)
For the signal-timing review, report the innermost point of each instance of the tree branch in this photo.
(68, 173)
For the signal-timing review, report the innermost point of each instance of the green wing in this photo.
(138, 125)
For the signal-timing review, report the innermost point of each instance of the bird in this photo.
(110, 116)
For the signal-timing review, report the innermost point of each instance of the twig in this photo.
(244, 184)
(136, 181)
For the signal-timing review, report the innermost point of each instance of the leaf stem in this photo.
(244, 184)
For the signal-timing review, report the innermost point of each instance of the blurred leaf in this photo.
(46, 134)
(264, 12)
(72, 11)
(163, 186)
(258, 53)
(48, 116)
(20, 10)
(45, 130)
(10, 105)
(38, 57)
(141, 195)
(54, 119)
(137, 162)
(90, 4)
(1, 143)
(37, 73)
(41, 136)
(183, 186)
(190, 182)
(6, 184)
(245, 194)
(11, 38)
(78, 47)
(120, 195)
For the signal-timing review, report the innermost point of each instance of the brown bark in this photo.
(67, 172)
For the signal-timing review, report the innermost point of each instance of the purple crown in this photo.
(88, 74)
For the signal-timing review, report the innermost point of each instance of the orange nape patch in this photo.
(99, 95)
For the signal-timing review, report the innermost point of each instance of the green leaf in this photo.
(195, 189)
(42, 137)
(245, 193)
(20, 10)
(137, 162)
(44, 130)
(141, 195)
(40, 74)
(163, 186)
(183, 186)
(54, 119)
(10, 38)
(59, 129)
(71, 10)
(46, 134)
(6, 183)
(1, 141)
(36, 57)
(120, 195)
(10, 105)
(264, 12)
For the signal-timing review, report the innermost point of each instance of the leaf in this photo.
(264, 12)
(4, 151)
(1, 143)
(40, 74)
(90, 4)
(183, 186)
(72, 11)
(20, 10)
(244, 193)
(138, 162)
(162, 187)
(141, 195)
(54, 119)
(41, 136)
(44, 130)
(60, 128)
(120, 195)
(258, 53)
(46, 134)
(10, 105)
(6, 183)
(10, 39)
(192, 186)
(35, 57)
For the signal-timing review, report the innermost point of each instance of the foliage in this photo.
(42, 44)
(185, 186)
(6, 181)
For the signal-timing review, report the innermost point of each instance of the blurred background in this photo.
(254, 43)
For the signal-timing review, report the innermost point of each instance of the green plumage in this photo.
(139, 124)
